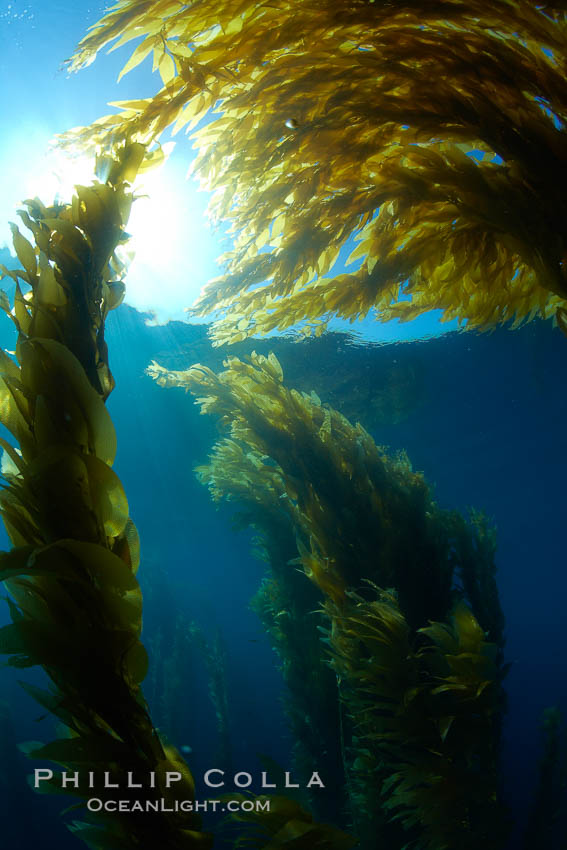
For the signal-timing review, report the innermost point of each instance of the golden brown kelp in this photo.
(73, 596)
(433, 132)
(287, 606)
(477, 571)
(424, 707)
(416, 673)
(352, 505)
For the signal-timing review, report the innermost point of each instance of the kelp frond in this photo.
(424, 718)
(435, 134)
(73, 596)
(352, 504)
(416, 673)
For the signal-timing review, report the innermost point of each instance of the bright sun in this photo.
(173, 248)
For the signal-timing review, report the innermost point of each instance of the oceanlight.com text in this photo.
(95, 804)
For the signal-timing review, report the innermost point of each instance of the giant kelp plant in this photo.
(71, 574)
(434, 133)
(73, 596)
(413, 625)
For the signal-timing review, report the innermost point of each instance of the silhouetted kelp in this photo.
(435, 133)
(10, 770)
(176, 647)
(413, 628)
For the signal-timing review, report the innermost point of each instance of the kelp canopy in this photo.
(432, 132)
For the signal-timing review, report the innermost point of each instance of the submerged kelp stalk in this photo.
(419, 676)
(74, 599)
(436, 133)
(175, 647)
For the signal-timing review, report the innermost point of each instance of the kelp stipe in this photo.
(433, 133)
(73, 596)
(419, 680)
(286, 605)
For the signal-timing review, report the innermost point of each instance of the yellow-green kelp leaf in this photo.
(426, 717)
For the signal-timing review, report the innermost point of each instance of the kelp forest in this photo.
(370, 159)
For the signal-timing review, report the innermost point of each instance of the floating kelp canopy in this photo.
(434, 133)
